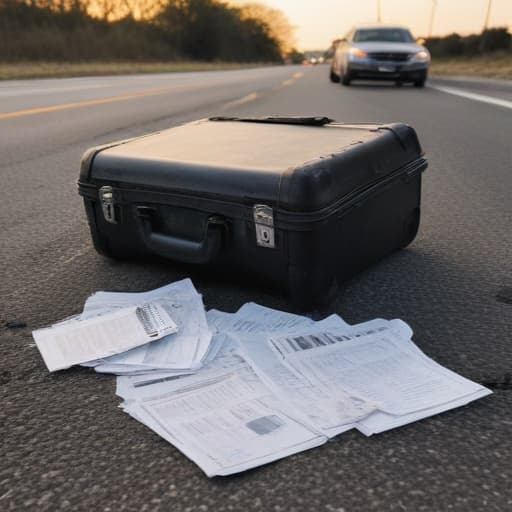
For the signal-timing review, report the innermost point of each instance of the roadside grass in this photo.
(498, 65)
(19, 70)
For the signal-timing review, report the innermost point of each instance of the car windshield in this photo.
(388, 35)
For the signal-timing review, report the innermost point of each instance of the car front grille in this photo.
(389, 56)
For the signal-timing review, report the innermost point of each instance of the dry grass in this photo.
(491, 66)
(70, 69)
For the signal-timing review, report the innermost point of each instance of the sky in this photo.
(318, 22)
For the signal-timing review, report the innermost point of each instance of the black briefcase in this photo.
(302, 203)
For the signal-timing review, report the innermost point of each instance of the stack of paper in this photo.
(282, 383)
(180, 353)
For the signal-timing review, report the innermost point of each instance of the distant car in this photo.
(380, 53)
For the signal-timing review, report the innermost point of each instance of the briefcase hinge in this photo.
(106, 196)
(264, 224)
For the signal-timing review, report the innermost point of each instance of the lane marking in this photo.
(86, 103)
(473, 96)
(240, 101)
(129, 96)
(293, 78)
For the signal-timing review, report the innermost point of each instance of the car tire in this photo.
(420, 79)
(333, 77)
(345, 79)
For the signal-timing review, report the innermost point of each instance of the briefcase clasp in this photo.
(264, 224)
(106, 196)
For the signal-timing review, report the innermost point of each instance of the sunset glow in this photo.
(319, 22)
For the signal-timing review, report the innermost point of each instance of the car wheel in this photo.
(346, 78)
(419, 83)
(333, 77)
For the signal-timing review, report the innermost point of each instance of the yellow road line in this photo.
(87, 103)
(293, 78)
(240, 101)
(124, 97)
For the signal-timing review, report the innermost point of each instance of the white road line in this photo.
(473, 96)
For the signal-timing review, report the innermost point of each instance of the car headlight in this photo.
(421, 56)
(357, 52)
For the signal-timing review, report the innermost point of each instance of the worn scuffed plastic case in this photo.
(301, 203)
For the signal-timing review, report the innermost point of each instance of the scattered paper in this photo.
(233, 391)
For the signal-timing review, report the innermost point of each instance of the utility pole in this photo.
(486, 24)
(378, 12)
(432, 13)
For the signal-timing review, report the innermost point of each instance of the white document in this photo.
(329, 412)
(122, 299)
(183, 351)
(224, 418)
(228, 360)
(136, 386)
(229, 424)
(379, 422)
(73, 342)
(378, 366)
(253, 318)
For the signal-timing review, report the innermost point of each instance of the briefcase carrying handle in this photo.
(294, 120)
(181, 249)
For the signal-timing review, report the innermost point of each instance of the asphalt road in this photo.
(66, 445)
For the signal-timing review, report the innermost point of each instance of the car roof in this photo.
(373, 27)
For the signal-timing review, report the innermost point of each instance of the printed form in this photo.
(225, 419)
(179, 353)
(74, 342)
(382, 367)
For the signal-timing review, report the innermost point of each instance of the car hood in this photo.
(389, 47)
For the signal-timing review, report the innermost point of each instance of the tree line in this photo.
(455, 45)
(145, 30)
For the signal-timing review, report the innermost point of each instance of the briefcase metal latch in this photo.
(264, 224)
(106, 196)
